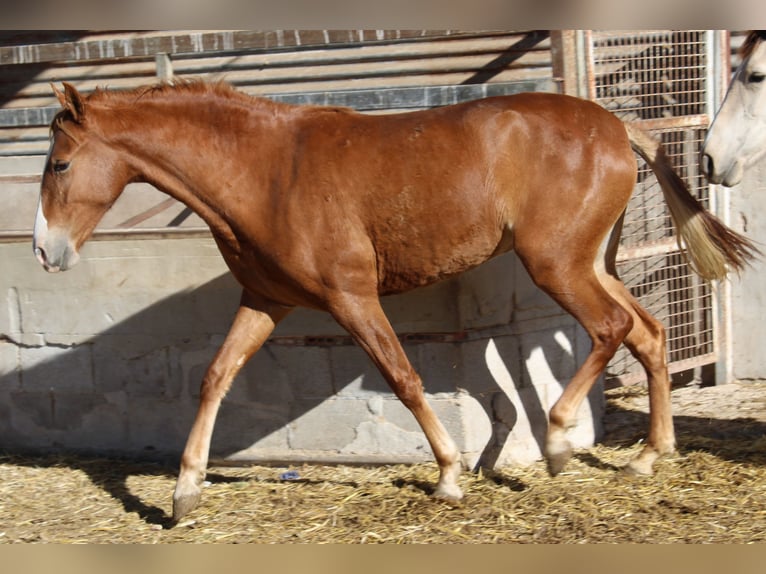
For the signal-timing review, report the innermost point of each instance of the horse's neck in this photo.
(182, 155)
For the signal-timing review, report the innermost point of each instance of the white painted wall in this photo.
(748, 301)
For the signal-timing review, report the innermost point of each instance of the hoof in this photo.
(556, 464)
(638, 468)
(183, 504)
(451, 494)
(558, 450)
(447, 488)
(643, 464)
(558, 460)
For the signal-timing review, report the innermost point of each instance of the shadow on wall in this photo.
(133, 388)
(18, 76)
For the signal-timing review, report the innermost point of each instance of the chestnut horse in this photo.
(737, 137)
(327, 208)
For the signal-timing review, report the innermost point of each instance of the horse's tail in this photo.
(711, 247)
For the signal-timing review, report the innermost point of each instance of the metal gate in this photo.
(661, 80)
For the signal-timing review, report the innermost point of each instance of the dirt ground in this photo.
(713, 490)
(735, 410)
(733, 401)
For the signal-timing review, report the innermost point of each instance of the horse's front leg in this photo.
(253, 323)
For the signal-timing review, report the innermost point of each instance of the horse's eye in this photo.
(755, 78)
(60, 166)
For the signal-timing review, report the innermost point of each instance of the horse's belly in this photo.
(417, 265)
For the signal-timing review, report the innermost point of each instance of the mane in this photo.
(183, 88)
(177, 86)
(753, 38)
(196, 88)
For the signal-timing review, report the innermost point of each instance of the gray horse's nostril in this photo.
(707, 164)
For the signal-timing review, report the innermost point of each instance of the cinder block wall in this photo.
(109, 357)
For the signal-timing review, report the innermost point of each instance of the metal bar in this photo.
(147, 44)
(647, 250)
(720, 66)
(20, 178)
(416, 97)
(109, 234)
(673, 367)
(146, 214)
(564, 59)
(152, 233)
(362, 100)
(676, 122)
(347, 340)
(20, 117)
(164, 67)
(582, 39)
(587, 84)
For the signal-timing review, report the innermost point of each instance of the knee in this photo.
(657, 337)
(650, 346)
(613, 329)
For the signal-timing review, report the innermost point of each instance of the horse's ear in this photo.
(71, 100)
(59, 95)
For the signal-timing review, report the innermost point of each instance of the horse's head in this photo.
(737, 138)
(83, 177)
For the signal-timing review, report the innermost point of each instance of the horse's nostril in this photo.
(707, 164)
(40, 254)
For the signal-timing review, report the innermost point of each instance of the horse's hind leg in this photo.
(363, 317)
(253, 323)
(578, 290)
(646, 341)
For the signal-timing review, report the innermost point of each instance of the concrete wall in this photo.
(748, 300)
(109, 357)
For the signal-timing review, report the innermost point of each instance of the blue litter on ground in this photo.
(290, 475)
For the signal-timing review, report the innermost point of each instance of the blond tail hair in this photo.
(711, 248)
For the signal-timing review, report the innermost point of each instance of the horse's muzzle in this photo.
(60, 258)
(52, 246)
(729, 177)
(54, 250)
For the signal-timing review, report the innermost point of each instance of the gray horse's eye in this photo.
(755, 78)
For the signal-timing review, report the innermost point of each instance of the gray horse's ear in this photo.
(71, 100)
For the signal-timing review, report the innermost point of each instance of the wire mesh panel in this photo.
(658, 79)
(650, 74)
(675, 295)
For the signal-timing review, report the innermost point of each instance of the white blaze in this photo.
(41, 229)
